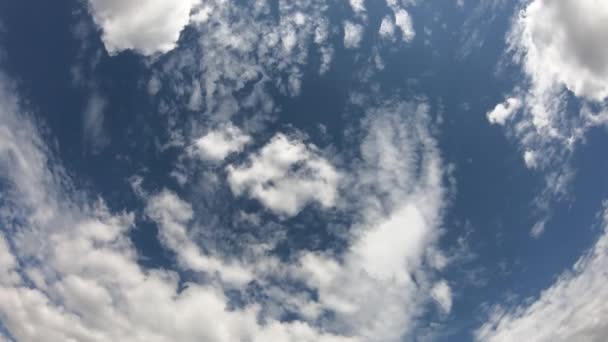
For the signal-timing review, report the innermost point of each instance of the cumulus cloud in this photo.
(571, 309)
(285, 176)
(78, 273)
(218, 144)
(562, 43)
(442, 294)
(404, 22)
(148, 26)
(401, 213)
(70, 271)
(561, 54)
(358, 6)
(503, 111)
(173, 216)
(353, 33)
(387, 28)
(559, 47)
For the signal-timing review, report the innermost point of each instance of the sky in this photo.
(303, 170)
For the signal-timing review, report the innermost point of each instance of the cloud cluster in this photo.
(148, 26)
(559, 47)
(218, 144)
(503, 111)
(386, 262)
(571, 309)
(285, 176)
(70, 272)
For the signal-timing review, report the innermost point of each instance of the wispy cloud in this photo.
(571, 309)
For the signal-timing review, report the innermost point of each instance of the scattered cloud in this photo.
(571, 309)
(71, 272)
(503, 111)
(353, 33)
(149, 26)
(404, 22)
(285, 176)
(387, 28)
(565, 67)
(358, 6)
(61, 249)
(400, 217)
(218, 144)
(442, 294)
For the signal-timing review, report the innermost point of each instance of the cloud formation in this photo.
(559, 47)
(503, 111)
(218, 144)
(571, 309)
(70, 271)
(285, 176)
(148, 26)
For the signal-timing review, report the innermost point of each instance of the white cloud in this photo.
(173, 215)
(563, 46)
(353, 33)
(573, 308)
(503, 111)
(530, 159)
(401, 212)
(404, 22)
(442, 294)
(387, 28)
(148, 26)
(559, 47)
(358, 6)
(82, 278)
(285, 176)
(218, 144)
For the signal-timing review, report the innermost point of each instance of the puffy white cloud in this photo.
(218, 144)
(503, 111)
(353, 33)
(404, 22)
(148, 26)
(82, 279)
(530, 159)
(285, 176)
(559, 47)
(387, 28)
(563, 46)
(358, 6)
(571, 309)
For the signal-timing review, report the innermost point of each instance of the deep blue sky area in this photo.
(140, 145)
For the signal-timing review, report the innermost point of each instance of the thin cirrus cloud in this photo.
(570, 309)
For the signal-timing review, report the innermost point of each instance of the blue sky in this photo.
(319, 170)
